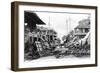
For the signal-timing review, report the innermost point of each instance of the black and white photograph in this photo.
(56, 35)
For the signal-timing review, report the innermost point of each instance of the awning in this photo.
(33, 18)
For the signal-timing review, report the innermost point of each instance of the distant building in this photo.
(47, 34)
(83, 28)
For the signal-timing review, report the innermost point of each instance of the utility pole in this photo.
(67, 25)
(49, 29)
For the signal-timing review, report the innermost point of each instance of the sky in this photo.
(62, 23)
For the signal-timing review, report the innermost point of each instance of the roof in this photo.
(84, 23)
(31, 17)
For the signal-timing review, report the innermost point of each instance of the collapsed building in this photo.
(78, 40)
(39, 41)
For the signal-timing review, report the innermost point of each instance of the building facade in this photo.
(83, 28)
